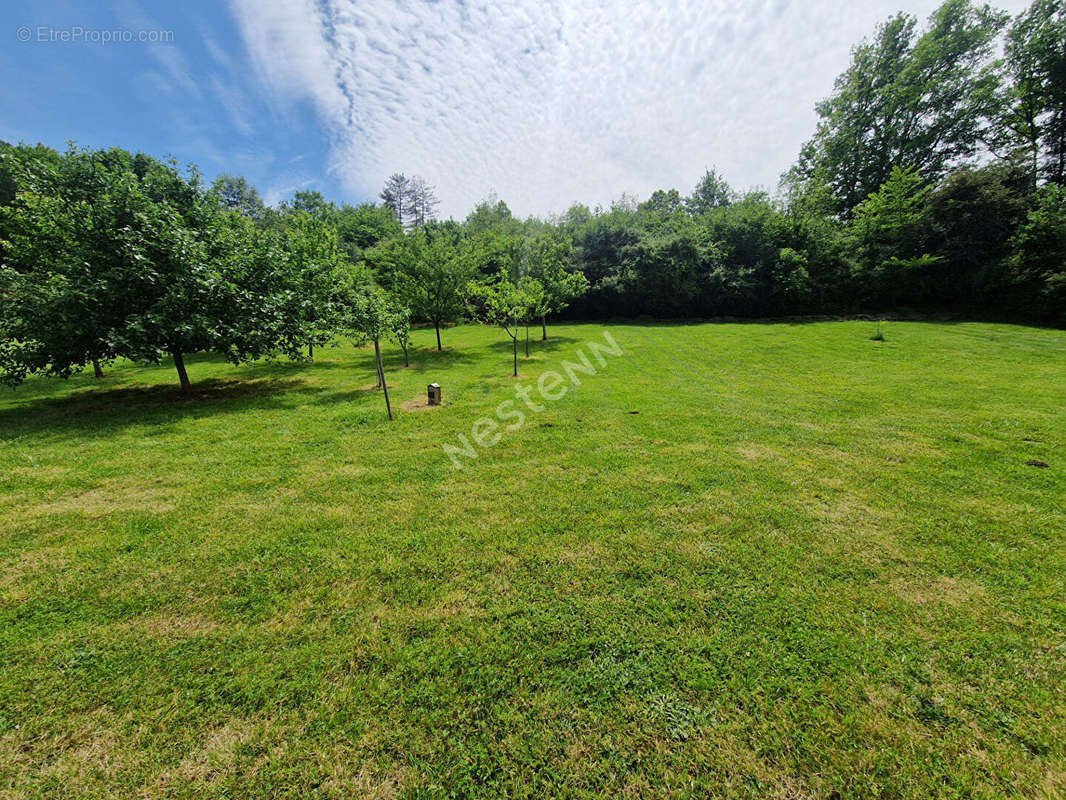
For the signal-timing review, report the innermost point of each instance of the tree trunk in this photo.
(381, 372)
(515, 340)
(406, 358)
(183, 376)
(437, 326)
(97, 371)
(543, 329)
(311, 350)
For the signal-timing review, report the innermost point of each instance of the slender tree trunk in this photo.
(381, 372)
(543, 329)
(311, 350)
(406, 358)
(527, 341)
(437, 326)
(183, 376)
(97, 371)
(515, 340)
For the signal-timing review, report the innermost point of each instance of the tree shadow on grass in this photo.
(536, 346)
(98, 412)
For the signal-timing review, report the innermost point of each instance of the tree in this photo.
(372, 316)
(237, 194)
(918, 102)
(491, 214)
(506, 303)
(1036, 106)
(136, 260)
(431, 269)
(396, 196)
(968, 222)
(421, 202)
(1038, 260)
(891, 237)
(711, 192)
(663, 202)
(311, 256)
(361, 227)
(545, 259)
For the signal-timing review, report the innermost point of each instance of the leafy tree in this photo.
(311, 256)
(372, 317)
(137, 261)
(491, 214)
(363, 226)
(711, 192)
(922, 102)
(969, 220)
(505, 303)
(1038, 260)
(663, 202)
(237, 194)
(310, 202)
(430, 271)
(891, 236)
(545, 258)
(1036, 108)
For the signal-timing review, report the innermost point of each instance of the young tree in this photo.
(373, 317)
(505, 303)
(546, 258)
(432, 268)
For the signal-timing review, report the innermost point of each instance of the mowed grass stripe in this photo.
(811, 564)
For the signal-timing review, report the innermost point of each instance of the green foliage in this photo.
(237, 194)
(123, 256)
(1035, 112)
(1038, 262)
(711, 192)
(430, 269)
(507, 303)
(921, 102)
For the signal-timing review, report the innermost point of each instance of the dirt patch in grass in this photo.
(108, 498)
(954, 592)
(215, 759)
(169, 626)
(419, 404)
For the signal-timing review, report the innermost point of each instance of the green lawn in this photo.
(739, 561)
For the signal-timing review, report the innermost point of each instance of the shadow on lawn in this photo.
(95, 412)
(536, 346)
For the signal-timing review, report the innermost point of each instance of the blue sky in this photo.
(195, 98)
(543, 102)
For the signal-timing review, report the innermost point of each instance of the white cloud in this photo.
(549, 102)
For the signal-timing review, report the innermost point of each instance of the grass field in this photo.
(739, 561)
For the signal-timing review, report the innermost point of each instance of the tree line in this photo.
(935, 181)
